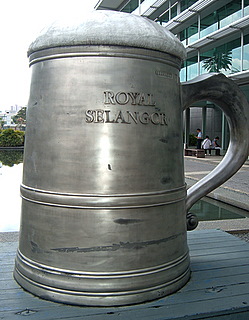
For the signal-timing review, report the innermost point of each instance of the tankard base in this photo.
(67, 294)
(105, 300)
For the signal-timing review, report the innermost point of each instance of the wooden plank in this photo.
(220, 272)
(214, 242)
(200, 265)
(202, 236)
(157, 311)
(243, 248)
(218, 289)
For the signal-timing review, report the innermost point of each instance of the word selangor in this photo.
(127, 117)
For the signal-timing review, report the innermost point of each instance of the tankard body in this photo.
(103, 192)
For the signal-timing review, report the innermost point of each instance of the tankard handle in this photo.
(226, 94)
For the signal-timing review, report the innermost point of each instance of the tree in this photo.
(218, 61)
(11, 138)
(11, 157)
(1, 122)
(20, 117)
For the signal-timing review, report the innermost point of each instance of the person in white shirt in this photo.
(206, 145)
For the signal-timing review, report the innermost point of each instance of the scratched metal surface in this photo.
(218, 289)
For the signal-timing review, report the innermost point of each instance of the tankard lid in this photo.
(106, 27)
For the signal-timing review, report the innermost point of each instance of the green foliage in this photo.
(11, 138)
(11, 157)
(220, 60)
(20, 117)
(192, 140)
(1, 123)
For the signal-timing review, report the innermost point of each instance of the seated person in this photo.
(215, 145)
(206, 145)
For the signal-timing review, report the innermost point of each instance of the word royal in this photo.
(133, 98)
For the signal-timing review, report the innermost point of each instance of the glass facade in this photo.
(185, 4)
(245, 53)
(225, 58)
(221, 18)
(246, 7)
(190, 34)
(230, 56)
(189, 69)
(131, 6)
(164, 18)
(167, 15)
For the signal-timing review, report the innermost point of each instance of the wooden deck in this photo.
(218, 289)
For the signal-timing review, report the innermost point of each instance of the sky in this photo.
(20, 23)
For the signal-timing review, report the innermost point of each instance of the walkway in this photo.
(234, 192)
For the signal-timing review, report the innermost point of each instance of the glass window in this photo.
(183, 72)
(246, 53)
(189, 34)
(209, 24)
(193, 33)
(221, 18)
(246, 7)
(131, 6)
(183, 37)
(225, 58)
(164, 18)
(191, 68)
(186, 4)
(229, 13)
(173, 11)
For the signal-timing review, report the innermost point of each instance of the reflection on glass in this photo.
(11, 157)
(131, 6)
(164, 18)
(225, 58)
(192, 68)
(221, 18)
(213, 210)
(246, 11)
(183, 74)
(10, 180)
(189, 34)
(186, 4)
(246, 52)
(173, 11)
(230, 19)
(208, 25)
(218, 61)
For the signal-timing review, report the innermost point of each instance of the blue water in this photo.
(208, 209)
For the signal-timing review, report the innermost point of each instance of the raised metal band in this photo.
(104, 51)
(25, 264)
(88, 201)
(84, 289)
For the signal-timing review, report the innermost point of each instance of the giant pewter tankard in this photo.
(103, 196)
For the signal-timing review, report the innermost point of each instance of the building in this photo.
(6, 121)
(216, 36)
